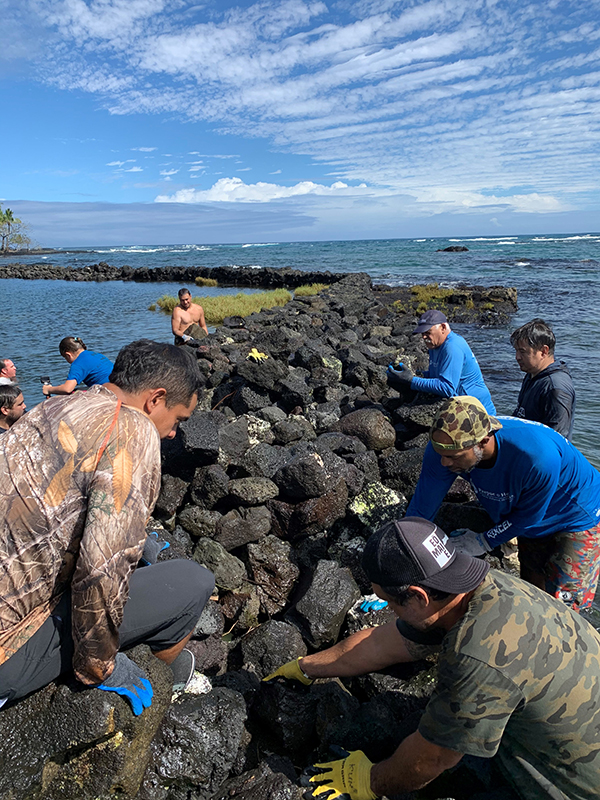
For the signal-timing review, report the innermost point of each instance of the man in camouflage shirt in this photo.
(79, 476)
(518, 673)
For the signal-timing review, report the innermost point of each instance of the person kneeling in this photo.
(79, 477)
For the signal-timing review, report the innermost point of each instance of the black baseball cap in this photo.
(429, 319)
(413, 550)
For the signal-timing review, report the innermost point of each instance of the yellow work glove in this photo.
(350, 775)
(254, 355)
(292, 671)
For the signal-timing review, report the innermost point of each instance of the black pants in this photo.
(165, 602)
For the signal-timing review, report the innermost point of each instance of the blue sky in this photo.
(166, 121)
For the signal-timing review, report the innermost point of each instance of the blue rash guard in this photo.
(454, 371)
(90, 368)
(540, 484)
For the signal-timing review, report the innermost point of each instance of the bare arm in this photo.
(415, 763)
(201, 320)
(65, 388)
(177, 326)
(365, 651)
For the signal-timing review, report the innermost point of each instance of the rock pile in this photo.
(274, 483)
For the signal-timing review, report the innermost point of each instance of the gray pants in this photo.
(165, 602)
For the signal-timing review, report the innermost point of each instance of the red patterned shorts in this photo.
(570, 562)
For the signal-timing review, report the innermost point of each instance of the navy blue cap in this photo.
(429, 319)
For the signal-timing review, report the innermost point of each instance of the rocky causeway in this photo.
(275, 483)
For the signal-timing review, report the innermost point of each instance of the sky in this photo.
(168, 121)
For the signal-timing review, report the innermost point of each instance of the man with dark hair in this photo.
(534, 485)
(547, 394)
(187, 319)
(453, 369)
(518, 674)
(8, 372)
(12, 406)
(79, 477)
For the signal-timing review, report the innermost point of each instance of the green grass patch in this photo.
(206, 282)
(423, 297)
(310, 289)
(229, 305)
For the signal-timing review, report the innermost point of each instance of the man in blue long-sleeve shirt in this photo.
(453, 369)
(534, 484)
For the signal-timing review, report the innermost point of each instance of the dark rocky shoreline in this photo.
(274, 483)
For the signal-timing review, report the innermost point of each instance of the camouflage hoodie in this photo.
(79, 476)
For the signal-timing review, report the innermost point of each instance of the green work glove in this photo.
(350, 776)
(292, 671)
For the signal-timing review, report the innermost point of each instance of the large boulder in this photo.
(210, 485)
(321, 611)
(252, 491)
(309, 475)
(261, 783)
(270, 645)
(291, 520)
(270, 566)
(370, 426)
(200, 435)
(197, 745)
(228, 570)
(62, 743)
(238, 527)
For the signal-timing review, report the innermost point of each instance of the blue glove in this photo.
(128, 680)
(372, 603)
(400, 377)
(152, 548)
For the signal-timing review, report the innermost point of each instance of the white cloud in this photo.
(234, 190)
(458, 103)
(167, 172)
(145, 149)
(134, 169)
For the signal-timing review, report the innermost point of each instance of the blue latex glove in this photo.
(372, 603)
(400, 377)
(128, 680)
(152, 548)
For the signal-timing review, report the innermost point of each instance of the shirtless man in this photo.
(187, 319)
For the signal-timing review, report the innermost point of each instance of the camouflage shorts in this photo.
(570, 562)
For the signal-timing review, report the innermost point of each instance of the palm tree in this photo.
(7, 220)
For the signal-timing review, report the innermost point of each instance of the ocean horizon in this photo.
(557, 278)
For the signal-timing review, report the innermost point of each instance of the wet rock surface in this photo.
(275, 483)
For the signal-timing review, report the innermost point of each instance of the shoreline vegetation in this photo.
(216, 309)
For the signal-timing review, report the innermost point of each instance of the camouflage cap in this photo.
(465, 421)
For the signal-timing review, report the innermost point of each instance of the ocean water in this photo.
(557, 278)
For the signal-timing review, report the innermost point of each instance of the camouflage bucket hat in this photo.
(465, 421)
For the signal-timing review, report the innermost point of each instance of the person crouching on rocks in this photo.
(518, 677)
(79, 477)
(86, 367)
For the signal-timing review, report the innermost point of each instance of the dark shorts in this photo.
(569, 562)
(165, 602)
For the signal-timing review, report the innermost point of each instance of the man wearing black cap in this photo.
(453, 369)
(518, 674)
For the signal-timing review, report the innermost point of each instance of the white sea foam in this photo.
(262, 244)
(522, 263)
(588, 237)
(420, 240)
